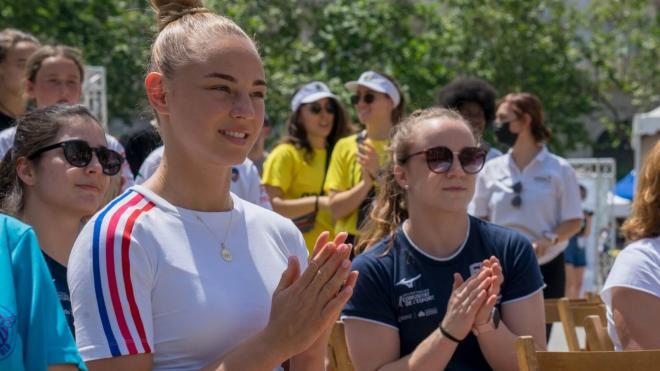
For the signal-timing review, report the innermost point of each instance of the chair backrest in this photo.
(551, 311)
(593, 297)
(597, 337)
(531, 360)
(573, 314)
(552, 306)
(337, 349)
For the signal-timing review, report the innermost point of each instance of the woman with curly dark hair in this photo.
(475, 100)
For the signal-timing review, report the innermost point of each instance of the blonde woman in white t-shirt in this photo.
(530, 189)
(180, 274)
(632, 289)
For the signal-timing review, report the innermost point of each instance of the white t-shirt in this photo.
(245, 179)
(148, 277)
(7, 141)
(637, 267)
(550, 195)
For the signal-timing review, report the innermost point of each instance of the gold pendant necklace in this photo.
(224, 251)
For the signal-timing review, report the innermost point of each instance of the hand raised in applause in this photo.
(497, 278)
(465, 302)
(305, 306)
(368, 159)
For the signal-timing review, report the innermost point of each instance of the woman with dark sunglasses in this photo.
(55, 75)
(295, 170)
(438, 288)
(55, 177)
(357, 160)
(530, 189)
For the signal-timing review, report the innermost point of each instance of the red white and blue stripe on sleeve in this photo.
(118, 310)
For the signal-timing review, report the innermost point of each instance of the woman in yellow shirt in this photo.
(295, 170)
(357, 159)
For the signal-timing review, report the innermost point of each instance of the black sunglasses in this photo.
(440, 159)
(78, 153)
(516, 201)
(368, 98)
(316, 108)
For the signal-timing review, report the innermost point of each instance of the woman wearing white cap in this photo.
(357, 159)
(295, 170)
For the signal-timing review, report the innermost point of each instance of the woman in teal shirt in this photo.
(34, 334)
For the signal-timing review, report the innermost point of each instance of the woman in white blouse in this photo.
(529, 188)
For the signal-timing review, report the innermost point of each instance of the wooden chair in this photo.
(597, 337)
(529, 359)
(573, 314)
(593, 297)
(338, 350)
(552, 307)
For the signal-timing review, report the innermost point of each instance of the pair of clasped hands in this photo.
(305, 306)
(472, 301)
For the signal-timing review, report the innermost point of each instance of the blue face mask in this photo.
(504, 135)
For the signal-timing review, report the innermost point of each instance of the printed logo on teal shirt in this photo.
(7, 331)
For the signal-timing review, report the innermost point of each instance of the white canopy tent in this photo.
(645, 134)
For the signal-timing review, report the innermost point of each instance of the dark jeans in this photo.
(554, 275)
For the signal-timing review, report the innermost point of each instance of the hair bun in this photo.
(168, 11)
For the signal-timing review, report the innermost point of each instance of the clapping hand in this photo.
(305, 306)
(472, 302)
(465, 302)
(497, 279)
(368, 159)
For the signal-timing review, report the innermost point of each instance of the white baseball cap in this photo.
(311, 92)
(376, 82)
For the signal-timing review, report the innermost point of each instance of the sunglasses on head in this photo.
(440, 159)
(316, 108)
(368, 98)
(79, 153)
(516, 201)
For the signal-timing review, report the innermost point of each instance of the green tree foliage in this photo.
(572, 58)
(113, 34)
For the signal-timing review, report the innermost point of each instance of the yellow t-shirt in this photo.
(287, 169)
(345, 172)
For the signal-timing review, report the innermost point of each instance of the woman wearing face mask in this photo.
(530, 189)
(356, 161)
(432, 276)
(55, 76)
(295, 170)
(55, 176)
(15, 49)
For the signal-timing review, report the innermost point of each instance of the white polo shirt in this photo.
(147, 277)
(550, 195)
(7, 141)
(245, 179)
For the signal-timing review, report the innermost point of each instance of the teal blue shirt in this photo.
(33, 330)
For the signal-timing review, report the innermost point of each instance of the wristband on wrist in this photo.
(448, 335)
